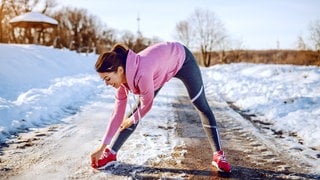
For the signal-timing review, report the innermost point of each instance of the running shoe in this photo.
(220, 162)
(106, 159)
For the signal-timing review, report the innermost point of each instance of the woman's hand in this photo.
(125, 124)
(95, 156)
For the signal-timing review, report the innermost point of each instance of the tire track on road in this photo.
(252, 155)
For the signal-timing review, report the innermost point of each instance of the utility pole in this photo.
(138, 21)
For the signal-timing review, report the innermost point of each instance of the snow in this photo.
(41, 86)
(33, 17)
(285, 96)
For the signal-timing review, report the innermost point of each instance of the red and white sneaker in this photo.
(107, 158)
(220, 162)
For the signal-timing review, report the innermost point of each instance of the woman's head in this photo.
(111, 60)
(111, 66)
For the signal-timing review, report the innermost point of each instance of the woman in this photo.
(144, 73)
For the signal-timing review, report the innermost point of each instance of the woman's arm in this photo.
(96, 155)
(146, 87)
(117, 115)
(114, 124)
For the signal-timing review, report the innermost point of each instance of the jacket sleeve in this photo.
(146, 87)
(117, 115)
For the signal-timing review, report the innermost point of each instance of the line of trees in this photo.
(78, 30)
(204, 31)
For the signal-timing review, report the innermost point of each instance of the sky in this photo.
(257, 24)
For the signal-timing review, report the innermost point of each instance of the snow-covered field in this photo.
(285, 98)
(41, 86)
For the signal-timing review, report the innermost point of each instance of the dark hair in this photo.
(111, 60)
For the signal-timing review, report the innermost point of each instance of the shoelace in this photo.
(106, 154)
(222, 158)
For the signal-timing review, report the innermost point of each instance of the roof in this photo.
(33, 19)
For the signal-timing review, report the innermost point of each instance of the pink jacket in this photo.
(146, 72)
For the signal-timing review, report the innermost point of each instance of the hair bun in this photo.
(120, 49)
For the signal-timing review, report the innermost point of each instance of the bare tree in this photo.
(135, 42)
(128, 38)
(301, 45)
(23, 6)
(315, 34)
(106, 38)
(77, 29)
(205, 31)
(183, 30)
(48, 5)
(8, 10)
(3, 13)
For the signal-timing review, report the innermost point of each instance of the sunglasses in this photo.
(112, 68)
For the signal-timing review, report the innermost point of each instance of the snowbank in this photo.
(284, 98)
(40, 85)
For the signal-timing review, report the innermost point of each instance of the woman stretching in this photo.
(144, 73)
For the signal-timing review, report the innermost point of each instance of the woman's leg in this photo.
(119, 139)
(190, 75)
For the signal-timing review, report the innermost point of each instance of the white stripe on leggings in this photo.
(208, 126)
(199, 93)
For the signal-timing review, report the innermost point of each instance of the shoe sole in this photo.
(221, 170)
(106, 165)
